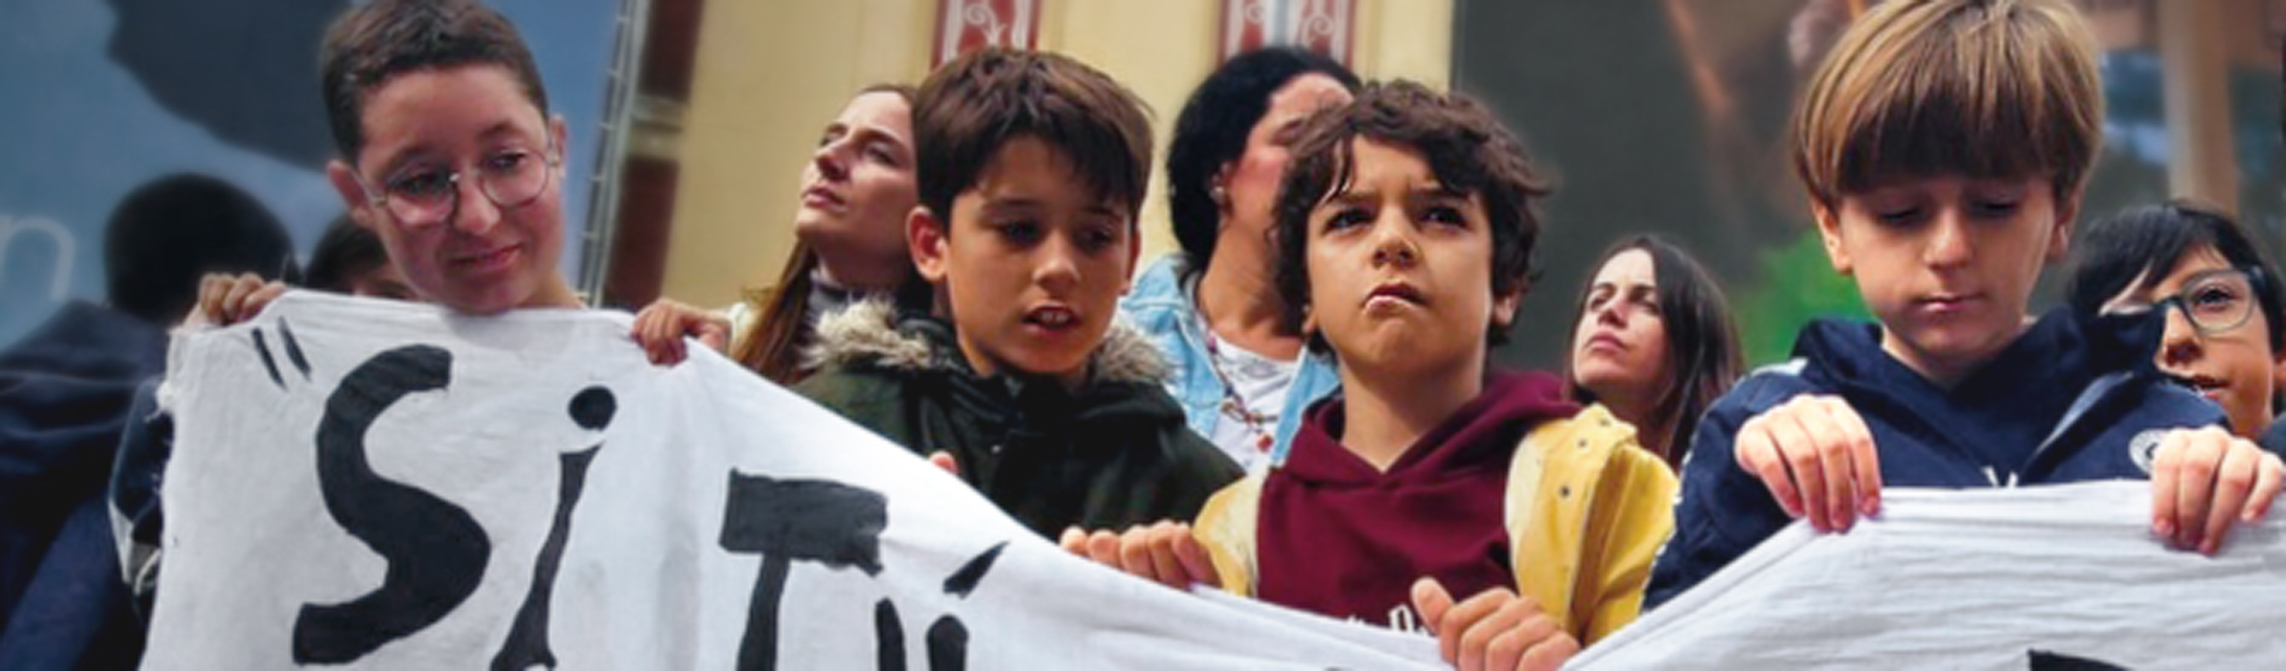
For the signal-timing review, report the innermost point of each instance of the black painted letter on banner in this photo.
(527, 644)
(435, 550)
(796, 520)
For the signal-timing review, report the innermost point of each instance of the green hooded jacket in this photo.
(1113, 455)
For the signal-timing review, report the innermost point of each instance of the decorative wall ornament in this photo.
(1323, 26)
(967, 25)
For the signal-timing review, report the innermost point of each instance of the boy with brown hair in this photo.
(1031, 168)
(1406, 223)
(1944, 145)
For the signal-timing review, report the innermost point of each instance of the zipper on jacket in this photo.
(2096, 393)
(1993, 476)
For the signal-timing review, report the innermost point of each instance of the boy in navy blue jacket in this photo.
(1944, 145)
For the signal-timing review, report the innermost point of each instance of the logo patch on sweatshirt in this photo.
(2144, 448)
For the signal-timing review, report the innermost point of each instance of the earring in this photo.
(1220, 195)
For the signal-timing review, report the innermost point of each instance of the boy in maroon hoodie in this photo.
(1406, 228)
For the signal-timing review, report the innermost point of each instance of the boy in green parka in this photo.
(1031, 168)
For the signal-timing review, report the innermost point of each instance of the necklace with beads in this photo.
(1258, 424)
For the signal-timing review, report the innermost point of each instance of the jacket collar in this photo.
(2061, 348)
(873, 333)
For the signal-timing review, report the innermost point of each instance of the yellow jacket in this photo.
(1587, 511)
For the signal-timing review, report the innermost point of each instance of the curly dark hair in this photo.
(1211, 132)
(1466, 147)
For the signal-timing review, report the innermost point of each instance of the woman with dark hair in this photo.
(1654, 343)
(2224, 337)
(850, 246)
(1238, 367)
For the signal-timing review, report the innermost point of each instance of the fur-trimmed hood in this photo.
(1109, 455)
(872, 333)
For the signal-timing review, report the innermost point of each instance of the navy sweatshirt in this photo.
(2072, 399)
(64, 394)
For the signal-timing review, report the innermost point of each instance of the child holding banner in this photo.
(448, 154)
(1944, 145)
(1408, 223)
(1031, 168)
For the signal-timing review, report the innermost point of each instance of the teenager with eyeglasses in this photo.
(2225, 337)
(447, 152)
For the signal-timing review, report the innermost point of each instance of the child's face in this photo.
(1034, 264)
(1400, 269)
(2230, 361)
(1948, 263)
(463, 249)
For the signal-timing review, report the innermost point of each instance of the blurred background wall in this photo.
(769, 75)
(692, 120)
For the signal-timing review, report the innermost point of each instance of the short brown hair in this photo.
(973, 105)
(371, 43)
(1465, 146)
(1978, 88)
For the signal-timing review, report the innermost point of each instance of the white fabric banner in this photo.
(2063, 577)
(375, 485)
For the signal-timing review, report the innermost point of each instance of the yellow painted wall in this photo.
(771, 74)
(1405, 39)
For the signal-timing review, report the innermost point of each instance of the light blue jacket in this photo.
(1166, 313)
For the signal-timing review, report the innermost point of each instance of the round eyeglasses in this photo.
(2213, 300)
(510, 178)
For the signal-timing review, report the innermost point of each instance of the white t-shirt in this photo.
(1261, 382)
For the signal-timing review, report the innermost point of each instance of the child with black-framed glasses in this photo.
(2229, 343)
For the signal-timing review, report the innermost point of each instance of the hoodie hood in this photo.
(2001, 413)
(1482, 433)
(90, 342)
(64, 393)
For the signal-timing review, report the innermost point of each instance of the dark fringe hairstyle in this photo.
(977, 103)
(2149, 241)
